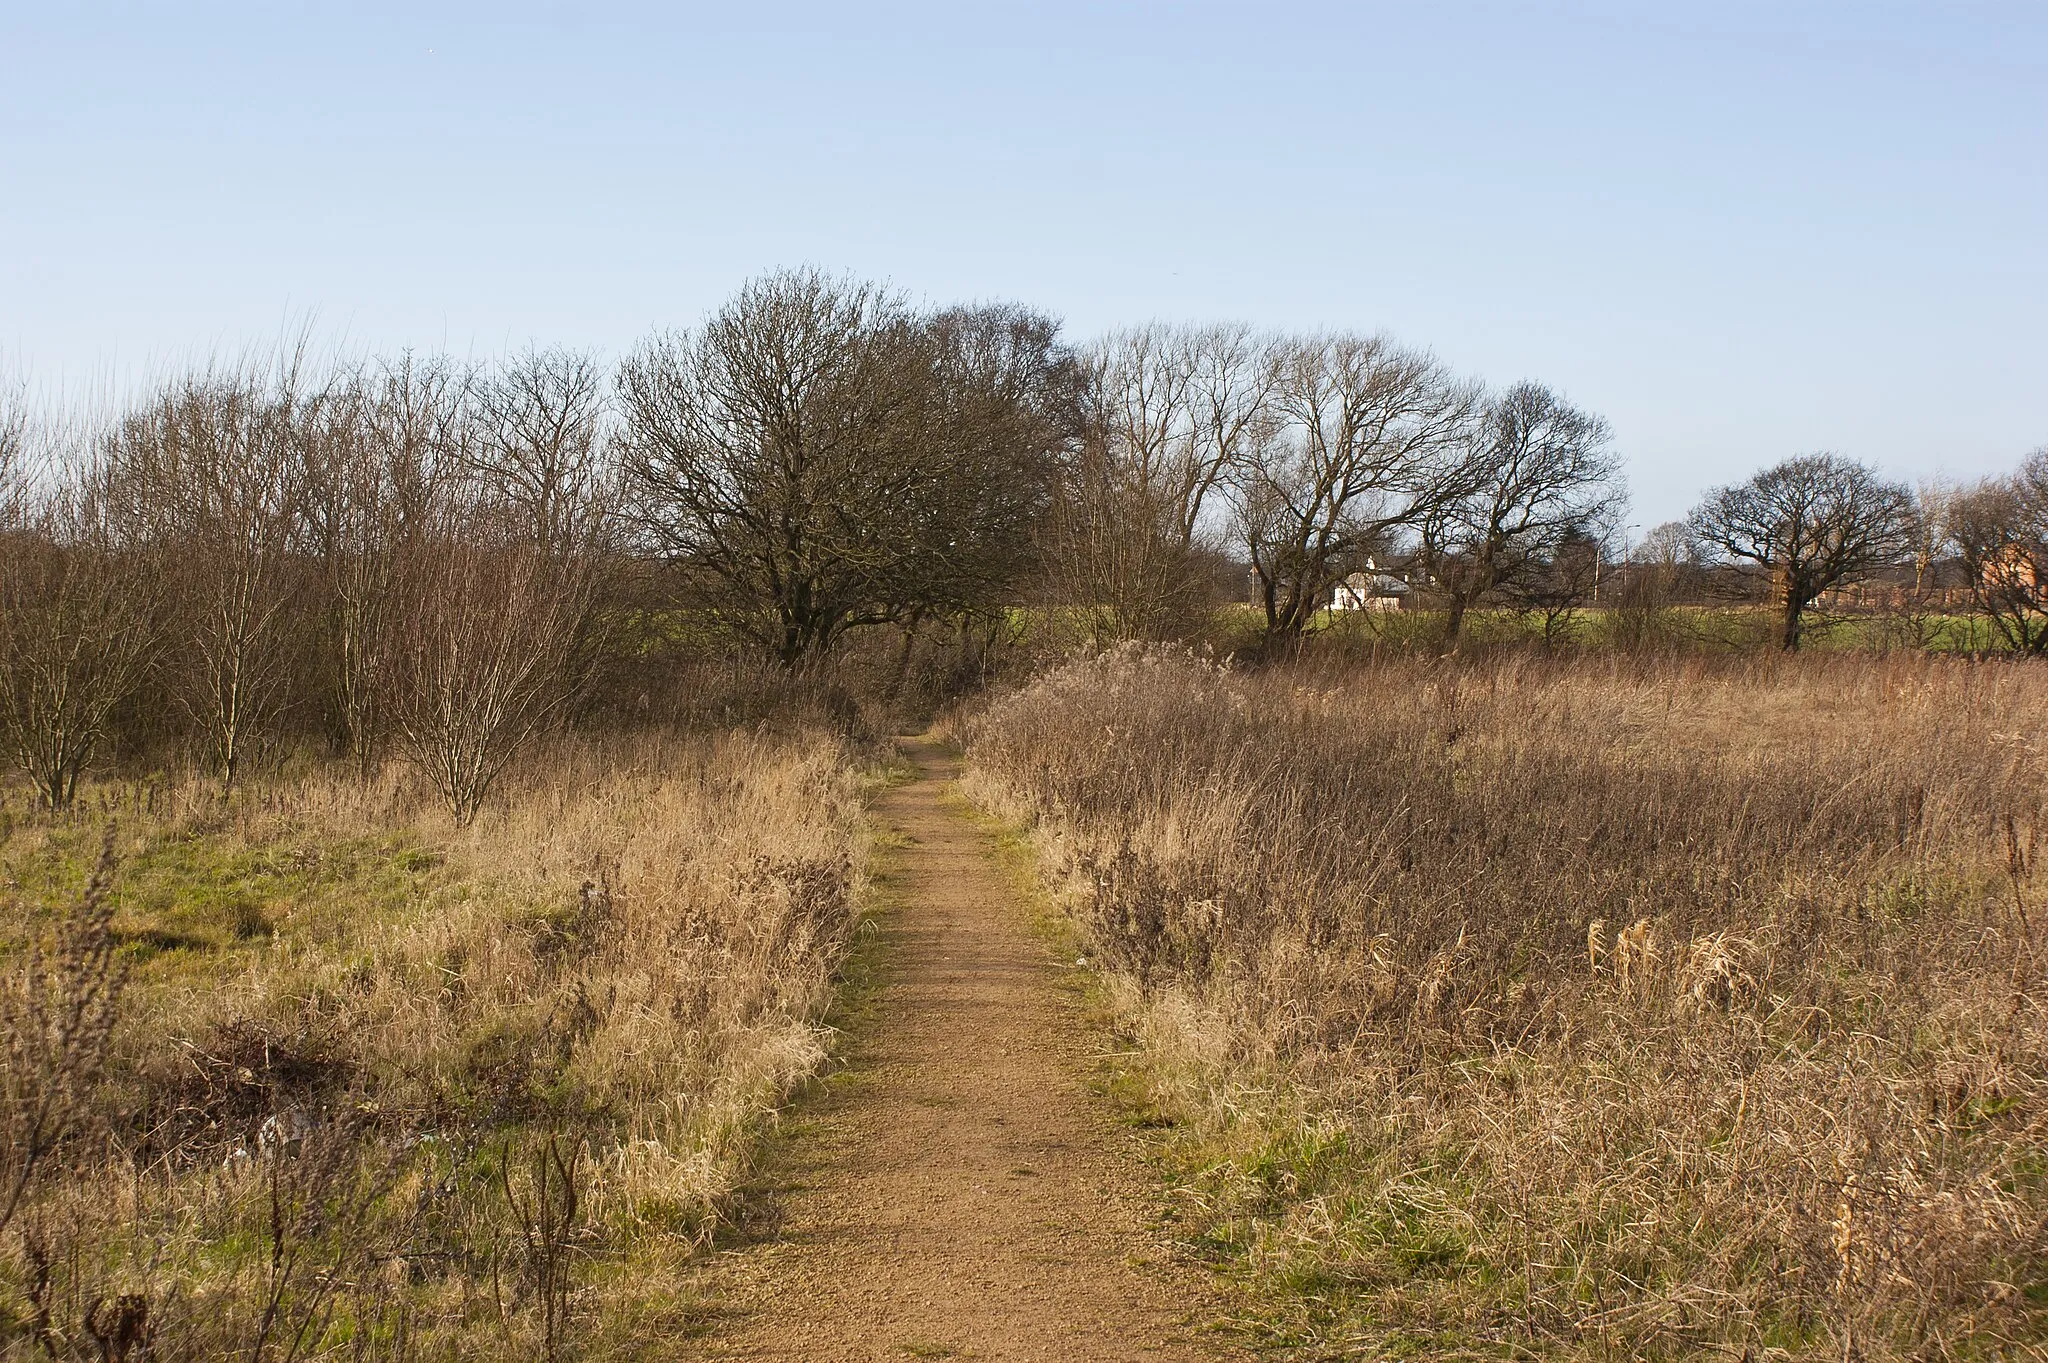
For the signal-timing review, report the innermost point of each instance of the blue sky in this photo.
(1740, 231)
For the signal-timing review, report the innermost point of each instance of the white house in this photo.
(1370, 590)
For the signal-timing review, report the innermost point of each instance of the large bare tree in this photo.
(1815, 522)
(1177, 406)
(1543, 484)
(2000, 527)
(757, 445)
(817, 452)
(1172, 411)
(1113, 534)
(995, 426)
(1369, 439)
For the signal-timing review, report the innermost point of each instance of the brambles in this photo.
(1595, 1008)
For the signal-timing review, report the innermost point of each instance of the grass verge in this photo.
(1585, 1009)
(385, 1087)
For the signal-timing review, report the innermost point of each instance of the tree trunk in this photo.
(1454, 622)
(1269, 594)
(1794, 620)
(796, 640)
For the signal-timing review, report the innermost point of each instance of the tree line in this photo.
(435, 560)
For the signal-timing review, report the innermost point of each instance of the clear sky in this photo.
(1741, 231)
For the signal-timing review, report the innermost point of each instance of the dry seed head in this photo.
(1847, 1269)
(1635, 953)
(1710, 974)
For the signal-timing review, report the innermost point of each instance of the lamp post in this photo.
(1600, 558)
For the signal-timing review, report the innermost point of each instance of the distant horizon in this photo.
(1739, 232)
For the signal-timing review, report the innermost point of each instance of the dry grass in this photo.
(1585, 1008)
(385, 1087)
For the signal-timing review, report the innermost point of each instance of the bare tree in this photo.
(209, 477)
(1142, 383)
(2000, 527)
(1556, 585)
(758, 444)
(483, 655)
(815, 451)
(540, 446)
(1814, 522)
(1113, 558)
(377, 477)
(1540, 477)
(1369, 440)
(77, 632)
(1935, 535)
(1669, 544)
(996, 424)
(1640, 593)
(13, 460)
(1115, 535)
(1177, 407)
(1235, 373)
(1172, 412)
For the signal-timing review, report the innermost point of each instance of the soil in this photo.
(958, 1192)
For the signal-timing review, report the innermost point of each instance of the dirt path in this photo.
(961, 1195)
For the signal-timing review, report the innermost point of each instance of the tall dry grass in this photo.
(384, 1086)
(1583, 1008)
